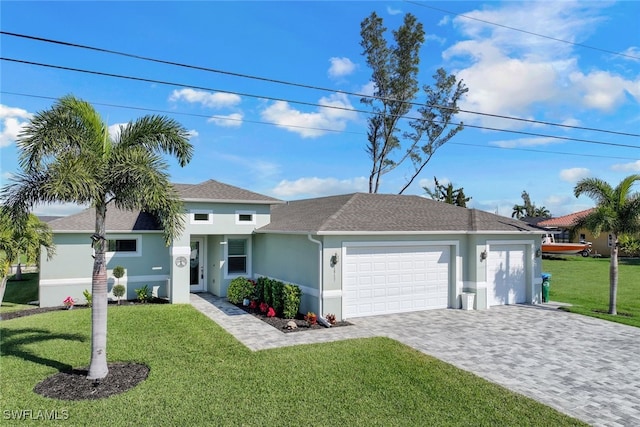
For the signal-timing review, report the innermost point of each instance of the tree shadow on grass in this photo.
(15, 340)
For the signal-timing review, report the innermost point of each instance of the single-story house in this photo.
(352, 255)
(563, 230)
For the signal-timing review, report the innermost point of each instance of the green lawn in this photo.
(200, 375)
(584, 282)
(19, 294)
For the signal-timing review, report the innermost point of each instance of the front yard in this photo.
(584, 282)
(200, 375)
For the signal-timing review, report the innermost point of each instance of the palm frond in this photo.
(158, 134)
(595, 188)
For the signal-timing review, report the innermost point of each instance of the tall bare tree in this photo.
(395, 77)
(67, 155)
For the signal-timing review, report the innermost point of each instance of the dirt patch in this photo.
(74, 385)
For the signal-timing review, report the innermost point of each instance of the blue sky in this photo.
(291, 150)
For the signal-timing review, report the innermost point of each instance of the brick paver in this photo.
(585, 367)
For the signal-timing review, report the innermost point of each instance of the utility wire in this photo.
(166, 83)
(301, 85)
(523, 31)
(153, 110)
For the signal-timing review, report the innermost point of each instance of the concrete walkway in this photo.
(585, 367)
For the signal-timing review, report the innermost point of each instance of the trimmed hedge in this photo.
(284, 298)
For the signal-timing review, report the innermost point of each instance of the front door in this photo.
(196, 273)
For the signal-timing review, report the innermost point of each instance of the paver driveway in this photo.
(585, 367)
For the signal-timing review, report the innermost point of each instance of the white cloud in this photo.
(574, 174)
(368, 89)
(604, 91)
(311, 125)
(193, 133)
(230, 120)
(114, 130)
(207, 99)
(317, 187)
(13, 121)
(444, 21)
(514, 73)
(259, 168)
(627, 167)
(440, 40)
(524, 142)
(632, 51)
(392, 11)
(340, 67)
(58, 209)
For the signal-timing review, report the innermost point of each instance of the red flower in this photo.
(271, 312)
(253, 304)
(264, 307)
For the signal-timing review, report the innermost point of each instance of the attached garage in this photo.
(385, 278)
(506, 274)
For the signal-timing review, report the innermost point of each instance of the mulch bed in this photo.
(282, 324)
(74, 385)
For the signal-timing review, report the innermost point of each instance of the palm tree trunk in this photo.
(98, 368)
(613, 276)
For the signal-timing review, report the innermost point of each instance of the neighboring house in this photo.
(562, 228)
(352, 255)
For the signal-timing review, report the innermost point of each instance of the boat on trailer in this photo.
(549, 247)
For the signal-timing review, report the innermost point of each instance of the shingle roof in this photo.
(117, 220)
(566, 221)
(363, 212)
(214, 191)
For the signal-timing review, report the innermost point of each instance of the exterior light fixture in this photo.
(483, 255)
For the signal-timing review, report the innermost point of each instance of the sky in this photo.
(257, 120)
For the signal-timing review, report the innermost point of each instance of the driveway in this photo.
(585, 367)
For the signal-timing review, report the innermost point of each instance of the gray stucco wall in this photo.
(69, 272)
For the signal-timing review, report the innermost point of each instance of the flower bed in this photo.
(281, 324)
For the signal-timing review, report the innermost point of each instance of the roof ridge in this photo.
(337, 213)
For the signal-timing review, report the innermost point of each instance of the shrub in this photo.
(88, 297)
(259, 295)
(118, 292)
(291, 296)
(311, 318)
(239, 289)
(118, 272)
(143, 294)
(277, 296)
(268, 297)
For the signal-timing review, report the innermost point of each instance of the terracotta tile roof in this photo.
(364, 212)
(566, 221)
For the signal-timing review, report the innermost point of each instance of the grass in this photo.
(584, 282)
(200, 375)
(19, 293)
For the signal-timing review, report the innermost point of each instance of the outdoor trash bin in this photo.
(467, 300)
(546, 284)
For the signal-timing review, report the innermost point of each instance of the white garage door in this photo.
(394, 279)
(506, 275)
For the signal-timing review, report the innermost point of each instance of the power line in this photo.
(523, 31)
(301, 85)
(166, 83)
(153, 110)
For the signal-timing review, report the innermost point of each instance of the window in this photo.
(122, 245)
(245, 217)
(237, 256)
(200, 217)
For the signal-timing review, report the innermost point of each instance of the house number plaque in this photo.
(181, 261)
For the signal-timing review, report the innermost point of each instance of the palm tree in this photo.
(24, 238)
(519, 211)
(617, 212)
(67, 155)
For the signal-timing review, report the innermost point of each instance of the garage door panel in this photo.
(506, 274)
(403, 278)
